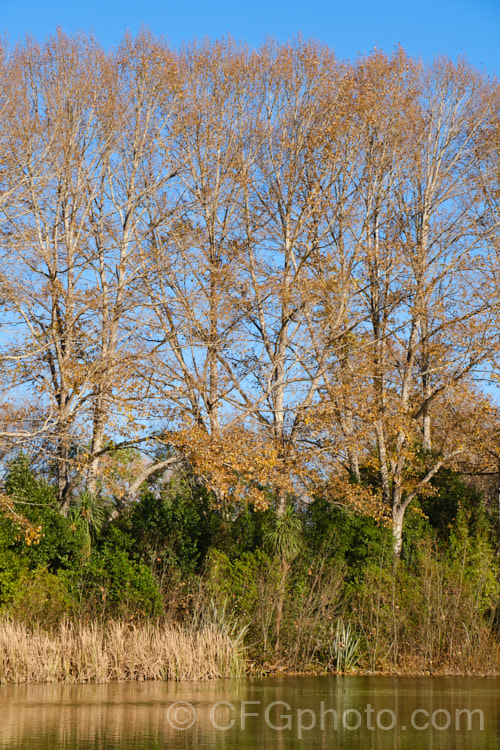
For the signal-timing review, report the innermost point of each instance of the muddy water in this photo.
(302, 712)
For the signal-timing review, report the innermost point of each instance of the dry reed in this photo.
(92, 652)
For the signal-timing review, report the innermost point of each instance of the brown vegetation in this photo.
(93, 652)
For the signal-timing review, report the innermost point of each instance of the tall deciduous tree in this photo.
(427, 326)
(258, 259)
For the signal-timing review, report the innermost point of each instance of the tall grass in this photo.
(93, 652)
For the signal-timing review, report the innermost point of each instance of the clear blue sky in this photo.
(423, 27)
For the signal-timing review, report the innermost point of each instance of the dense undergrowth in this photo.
(172, 587)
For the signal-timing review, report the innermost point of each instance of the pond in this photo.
(293, 712)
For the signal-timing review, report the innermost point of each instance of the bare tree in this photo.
(428, 328)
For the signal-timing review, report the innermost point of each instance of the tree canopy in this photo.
(277, 266)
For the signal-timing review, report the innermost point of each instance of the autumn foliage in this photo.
(275, 266)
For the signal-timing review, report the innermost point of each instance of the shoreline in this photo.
(114, 651)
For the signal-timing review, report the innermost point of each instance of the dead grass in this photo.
(84, 653)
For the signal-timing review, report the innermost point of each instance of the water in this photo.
(301, 712)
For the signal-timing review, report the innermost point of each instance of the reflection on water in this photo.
(145, 715)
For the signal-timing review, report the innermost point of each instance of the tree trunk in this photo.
(397, 528)
(280, 600)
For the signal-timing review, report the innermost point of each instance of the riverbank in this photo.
(79, 653)
(175, 589)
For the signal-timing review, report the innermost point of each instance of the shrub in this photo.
(41, 596)
(111, 584)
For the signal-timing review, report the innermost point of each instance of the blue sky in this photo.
(423, 27)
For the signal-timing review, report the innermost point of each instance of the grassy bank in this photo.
(240, 591)
(83, 653)
(94, 653)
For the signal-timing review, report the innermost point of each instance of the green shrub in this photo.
(347, 537)
(41, 596)
(173, 526)
(111, 584)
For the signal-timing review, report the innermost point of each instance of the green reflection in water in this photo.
(133, 716)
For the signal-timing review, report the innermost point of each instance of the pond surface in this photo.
(298, 712)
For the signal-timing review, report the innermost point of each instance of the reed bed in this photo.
(98, 653)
